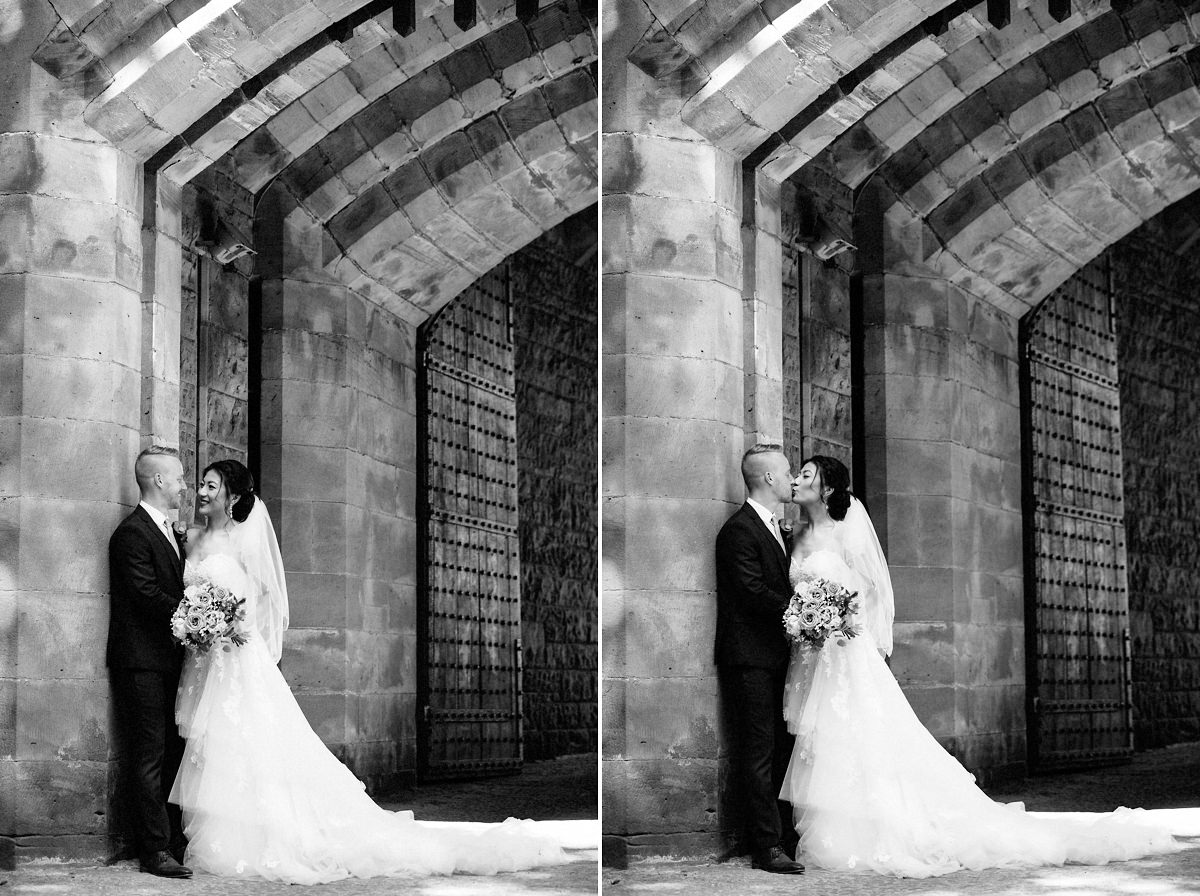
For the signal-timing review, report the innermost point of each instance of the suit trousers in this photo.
(152, 749)
(762, 747)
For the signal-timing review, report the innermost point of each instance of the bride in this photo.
(871, 789)
(261, 795)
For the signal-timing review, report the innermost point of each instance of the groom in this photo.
(752, 652)
(144, 661)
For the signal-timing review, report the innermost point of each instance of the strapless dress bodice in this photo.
(824, 564)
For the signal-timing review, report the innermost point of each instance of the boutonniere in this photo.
(181, 530)
(785, 528)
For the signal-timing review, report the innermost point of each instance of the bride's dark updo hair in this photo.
(834, 475)
(238, 481)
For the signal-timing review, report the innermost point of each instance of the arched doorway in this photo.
(1079, 693)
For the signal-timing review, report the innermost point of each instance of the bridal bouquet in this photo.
(208, 615)
(821, 609)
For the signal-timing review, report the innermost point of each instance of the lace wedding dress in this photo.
(263, 797)
(871, 789)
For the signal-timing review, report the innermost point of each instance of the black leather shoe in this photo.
(775, 860)
(163, 864)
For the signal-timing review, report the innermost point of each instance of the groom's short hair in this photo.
(749, 464)
(143, 467)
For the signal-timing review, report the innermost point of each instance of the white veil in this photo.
(258, 550)
(865, 556)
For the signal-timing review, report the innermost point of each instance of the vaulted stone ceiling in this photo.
(1012, 153)
(424, 158)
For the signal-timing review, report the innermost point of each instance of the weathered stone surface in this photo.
(70, 630)
(923, 594)
(55, 797)
(919, 529)
(660, 536)
(44, 566)
(915, 407)
(643, 165)
(664, 795)
(658, 316)
(325, 712)
(684, 621)
(63, 719)
(316, 660)
(37, 164)
(714, 390)
(377, 662)
(671, 719)
(665, 237)
(989, 536)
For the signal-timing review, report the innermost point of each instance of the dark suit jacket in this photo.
(752, 593)
(146, 584)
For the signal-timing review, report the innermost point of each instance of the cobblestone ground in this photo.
(558, 790)
(1158, 779)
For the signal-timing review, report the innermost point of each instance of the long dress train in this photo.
(872, 789)
(263, 797)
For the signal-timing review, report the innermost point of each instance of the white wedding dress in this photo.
(871, 789)
(262, 797)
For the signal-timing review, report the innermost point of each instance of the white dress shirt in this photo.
(160, 519)
(769, 521)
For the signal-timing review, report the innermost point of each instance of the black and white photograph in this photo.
(901, 430)
(639, 447)
(298, 449)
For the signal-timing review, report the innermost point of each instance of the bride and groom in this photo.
(832, 765)
(226, 775)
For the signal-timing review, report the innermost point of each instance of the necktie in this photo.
(775, 531)
(171, 536)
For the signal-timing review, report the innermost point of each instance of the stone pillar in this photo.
(762, 297)
(162, 273)
(70, 387)
(339, 472)
(943, 468)
(673, 434)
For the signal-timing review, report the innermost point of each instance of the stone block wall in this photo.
(339, 473)
(1157, 287)
(70, 419)
(554, 323)
(942, 464)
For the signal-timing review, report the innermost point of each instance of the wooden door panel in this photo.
(471, 614)
(1078, 611)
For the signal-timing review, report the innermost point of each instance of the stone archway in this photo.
(974, 157)
(153, 140)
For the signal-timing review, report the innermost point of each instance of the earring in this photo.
(229, 510)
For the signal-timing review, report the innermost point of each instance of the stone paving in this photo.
(1159, 779)
(555, 791)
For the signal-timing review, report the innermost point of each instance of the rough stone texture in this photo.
(942, 442)
(554, 333)
(119, 331)
(979, 168)
(339, 468)
(674, 350)
(1156, 277)
(762, 313)
(70, 417)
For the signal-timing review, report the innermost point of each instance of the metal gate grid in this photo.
(1077, 603)
(471, 606)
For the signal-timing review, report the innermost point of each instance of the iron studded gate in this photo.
(1077, 618)
(470, 688)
